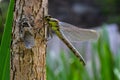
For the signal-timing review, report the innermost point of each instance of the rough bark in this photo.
(28, 63)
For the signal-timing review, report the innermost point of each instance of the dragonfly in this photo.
(69, 33)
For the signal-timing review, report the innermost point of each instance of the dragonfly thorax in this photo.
(54, 24)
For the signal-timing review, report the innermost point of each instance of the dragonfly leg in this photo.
(49, 33)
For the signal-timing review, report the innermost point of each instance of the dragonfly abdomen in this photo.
(70, 46)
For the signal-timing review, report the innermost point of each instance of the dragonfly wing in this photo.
(75, 34)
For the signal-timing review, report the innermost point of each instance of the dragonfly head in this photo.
(52, 22)
(50, 19)
(47, 18)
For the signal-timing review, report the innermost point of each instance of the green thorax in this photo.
(54, 25)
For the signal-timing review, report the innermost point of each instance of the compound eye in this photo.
(47, 17)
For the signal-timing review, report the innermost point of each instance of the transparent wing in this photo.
(75, 34)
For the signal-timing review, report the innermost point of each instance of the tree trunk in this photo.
(28, 58)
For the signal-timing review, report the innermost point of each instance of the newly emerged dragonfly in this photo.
(69, 33)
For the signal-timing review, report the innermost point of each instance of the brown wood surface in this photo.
(29, 64)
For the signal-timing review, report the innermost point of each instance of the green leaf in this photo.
(5, 44)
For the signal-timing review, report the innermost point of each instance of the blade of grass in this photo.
(106, 57)
(94, 62)
(5, 43)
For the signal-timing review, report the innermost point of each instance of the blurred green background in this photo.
(104, 63)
